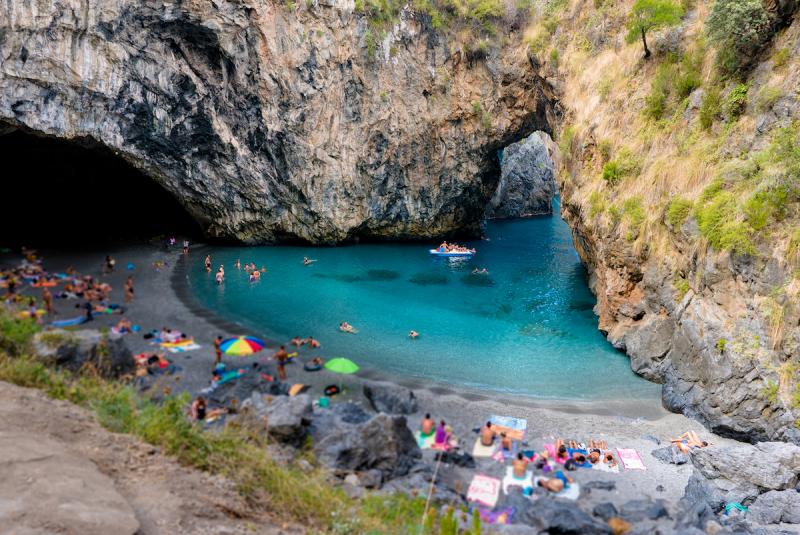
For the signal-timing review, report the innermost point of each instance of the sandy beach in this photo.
(163, 299)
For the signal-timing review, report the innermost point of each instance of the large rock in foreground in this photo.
(389, 398)
(44, 489)
(269, 123)
(527, 180)
(108, 354)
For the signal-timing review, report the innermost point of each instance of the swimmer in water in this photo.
(220, 275)
(238, 264)
(413, 334)
(308, 261)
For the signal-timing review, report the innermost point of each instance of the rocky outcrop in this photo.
(696, 323)
(527, 184)
(108, 354)
(45, 489)
(268, 122)
(389, 398)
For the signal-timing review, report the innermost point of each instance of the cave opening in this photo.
(78, 193)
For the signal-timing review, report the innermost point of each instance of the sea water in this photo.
(526, 328)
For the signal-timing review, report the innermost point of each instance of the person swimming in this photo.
(347, 328)
(238, 264)
(297, 341)
(220, 276)
(413, 334)
(313, 344)
(308, 261)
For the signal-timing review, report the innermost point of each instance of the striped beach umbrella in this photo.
(242, 345)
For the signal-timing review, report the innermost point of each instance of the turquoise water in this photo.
(525, 328)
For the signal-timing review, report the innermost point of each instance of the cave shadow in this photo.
(78, 194)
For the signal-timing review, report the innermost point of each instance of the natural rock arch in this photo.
(270, 125)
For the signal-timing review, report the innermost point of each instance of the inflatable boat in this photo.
(452, 254)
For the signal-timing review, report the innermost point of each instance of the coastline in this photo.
(162, 299)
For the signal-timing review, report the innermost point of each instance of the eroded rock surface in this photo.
(269, 123)
(106, 353)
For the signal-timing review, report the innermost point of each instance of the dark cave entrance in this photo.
(74, 194)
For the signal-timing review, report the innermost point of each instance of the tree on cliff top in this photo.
(649, 15)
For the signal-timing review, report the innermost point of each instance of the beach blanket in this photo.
(424, 442)
(572, 492)
(484, 490)
(510, 480)
(501, 456)
(630, 459)
(297, 388)
(603, 467)
(501, 516)
(512, 427)
(69, 322)
(180, 346)
(482, 451)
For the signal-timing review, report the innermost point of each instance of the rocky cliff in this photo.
(271, 121)
(681, 187)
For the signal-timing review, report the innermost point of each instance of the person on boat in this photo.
(426, 429)
(313, 344)
(520, 464)
(308, 261)
(208, 263)
(442, 436)
(443, 247)
(413, 334)
(487, 435)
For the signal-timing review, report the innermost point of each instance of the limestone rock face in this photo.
(45, 488)
(107, 353)
(270, 123)
(527, 183)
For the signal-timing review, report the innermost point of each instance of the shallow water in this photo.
(526, 328)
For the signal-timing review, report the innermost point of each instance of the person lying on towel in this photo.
(555, 484)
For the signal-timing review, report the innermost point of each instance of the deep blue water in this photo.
(526, 328)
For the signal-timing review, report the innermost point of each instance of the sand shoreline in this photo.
(163, 299)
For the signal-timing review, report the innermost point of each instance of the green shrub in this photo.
(565, 141)
(656, 101)
(686, 82)
(767, 97)
(16, 334)
(781, 57)
(634, 215)
(793, 249)
(710, 108)
(615, 213)
(597, 203)
(717, 220)
(604, 147)
(739, 29)
(736, 102)
(721, 345)
(554, 58)
(611, 172)
(604, 88)
(678, 210)
(770, 392)
(681, 286)
(371, 42)
(766, 205)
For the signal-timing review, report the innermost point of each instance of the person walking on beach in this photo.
(110, 263)
(280, 356)
(47, 297)
(129, 289)
(217, 350)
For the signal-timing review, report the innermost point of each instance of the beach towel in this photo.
(484, 490)
(572, 492)
(603, 467)
(630, 459)
(502, 516)
(297, 388)
(512, 427)
(501, 456)
(68, 322)
(180, 346)
(425, 442)
(482, 451)
(510, 480)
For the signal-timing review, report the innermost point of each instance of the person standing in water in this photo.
(208, 263)
(220, 275)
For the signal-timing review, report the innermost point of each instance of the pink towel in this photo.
(630, 459)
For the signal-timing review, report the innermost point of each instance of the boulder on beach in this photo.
(287, 417)
(389, 398)
(107, 353)
(383, 442)
(776, 506)
(554, 515)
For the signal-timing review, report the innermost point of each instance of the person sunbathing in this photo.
(441, 437)
(555, 484)
(199, 408)
(124, 326)
(506, 443)
(520, 464)
(426, 429)
(561, 451)
(609, 460)
(487, 435)
(689, 440)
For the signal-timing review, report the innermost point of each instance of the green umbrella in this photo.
(341, 365)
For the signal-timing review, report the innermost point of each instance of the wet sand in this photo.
(163, 299)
